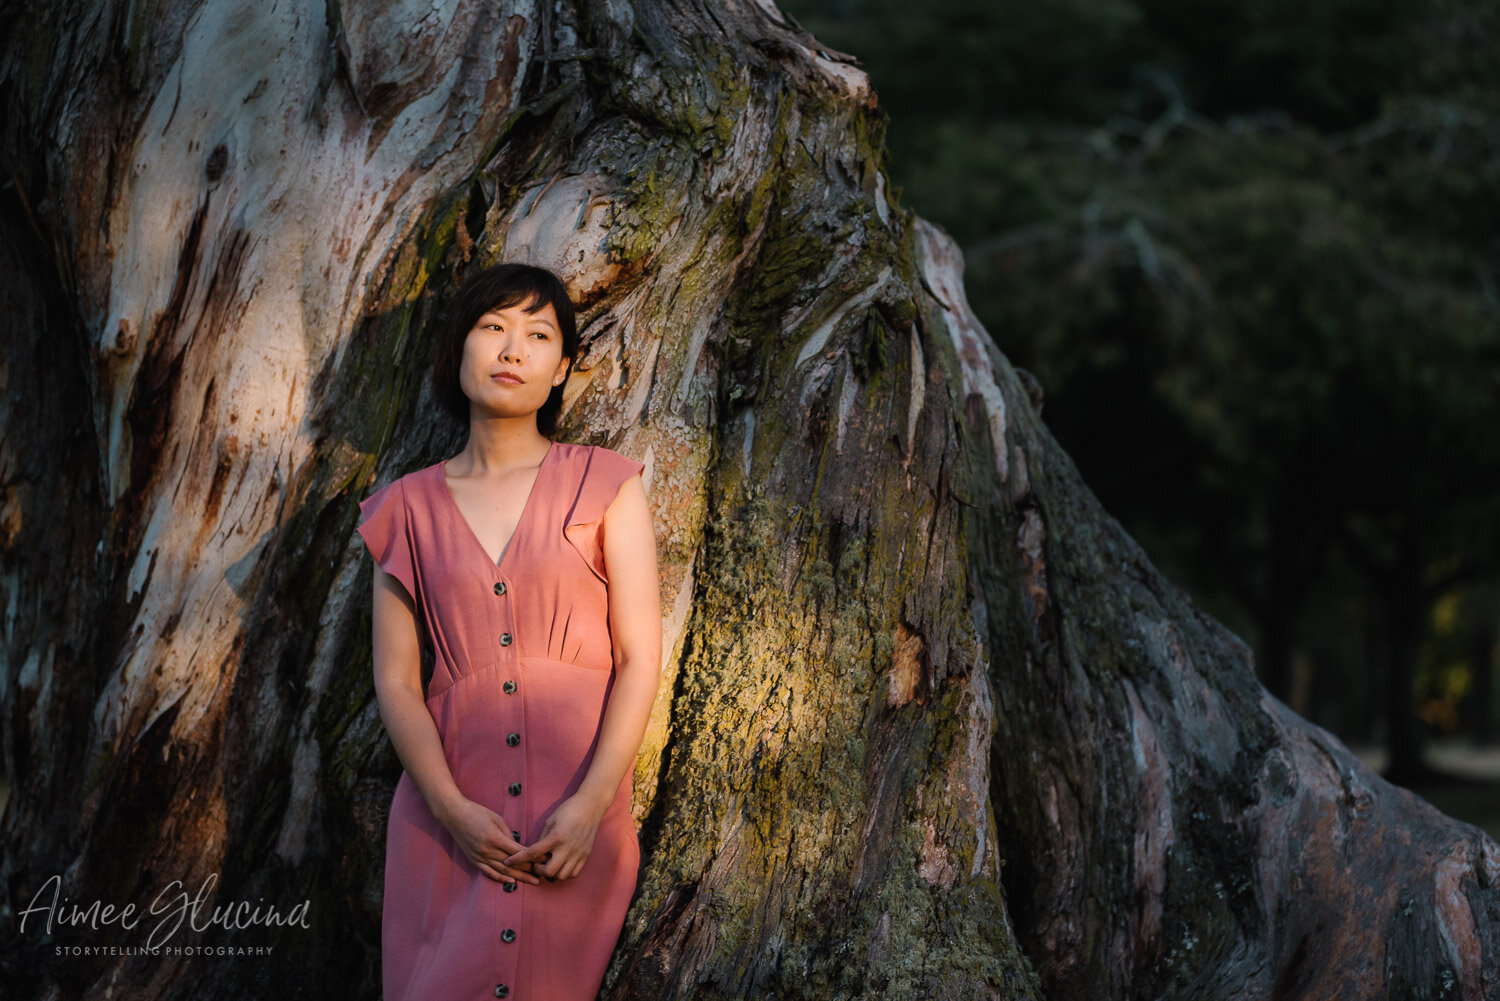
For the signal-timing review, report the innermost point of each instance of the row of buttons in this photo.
(508, 935)
(505, 638)
(513, 738)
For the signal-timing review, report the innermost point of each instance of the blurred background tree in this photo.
(1251, 251)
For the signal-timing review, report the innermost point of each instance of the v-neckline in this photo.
(510, 544)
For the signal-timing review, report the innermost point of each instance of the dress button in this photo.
(516, 835)
(501, 991)
(512, 739)
(505, 639)
(509, 687)
(500, 587)
(507, 935)
(509, 887)
(515, 790)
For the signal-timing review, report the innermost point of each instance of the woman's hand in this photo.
(567, 838)
(484, 838)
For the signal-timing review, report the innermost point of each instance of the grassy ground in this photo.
(1469, 788)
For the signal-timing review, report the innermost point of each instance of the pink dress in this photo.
(523, 668)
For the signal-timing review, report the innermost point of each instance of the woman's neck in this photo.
(500, 443)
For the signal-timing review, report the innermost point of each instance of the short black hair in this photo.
(499, 287)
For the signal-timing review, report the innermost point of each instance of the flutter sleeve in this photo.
(584, 527)
(384, 529)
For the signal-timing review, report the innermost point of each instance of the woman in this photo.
(530, 567)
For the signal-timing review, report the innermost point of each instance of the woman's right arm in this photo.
(482, 834)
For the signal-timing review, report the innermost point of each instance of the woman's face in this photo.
(511, 361)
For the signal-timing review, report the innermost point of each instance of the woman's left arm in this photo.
(635, 630)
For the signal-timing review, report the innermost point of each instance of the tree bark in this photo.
(931, 724)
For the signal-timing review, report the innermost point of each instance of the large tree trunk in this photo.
(931, 724)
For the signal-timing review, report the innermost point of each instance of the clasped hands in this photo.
(485, 839)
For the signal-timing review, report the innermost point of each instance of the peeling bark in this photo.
(930, 725)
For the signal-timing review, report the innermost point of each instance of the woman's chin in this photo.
(488, 412)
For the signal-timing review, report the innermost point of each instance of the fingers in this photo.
(493, 859)
(506, 873)
(486, 840)
(572, 867)
(565, 863)
(497, 852)
(551, 859)
(539, 852)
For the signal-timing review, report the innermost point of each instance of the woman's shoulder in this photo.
(595, 458)
(387, 525)
(405, 489)
(594, 477)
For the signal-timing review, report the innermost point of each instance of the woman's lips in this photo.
(508, 378)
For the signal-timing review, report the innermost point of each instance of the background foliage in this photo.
(1251, 251)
